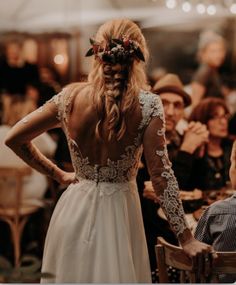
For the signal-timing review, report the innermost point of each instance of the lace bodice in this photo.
(122, 170)
(151, 136)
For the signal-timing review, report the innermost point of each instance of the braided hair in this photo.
(120, 50)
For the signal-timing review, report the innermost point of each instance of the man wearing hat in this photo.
(181, 148)
(181, 151)
(174, 100)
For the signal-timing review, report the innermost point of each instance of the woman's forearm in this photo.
(33, 157)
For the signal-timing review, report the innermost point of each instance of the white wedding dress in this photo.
(96, 233)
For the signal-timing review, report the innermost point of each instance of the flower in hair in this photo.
(116, 51)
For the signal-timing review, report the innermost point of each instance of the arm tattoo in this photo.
(32, 156)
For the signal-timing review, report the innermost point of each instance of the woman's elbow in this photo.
(10, 141)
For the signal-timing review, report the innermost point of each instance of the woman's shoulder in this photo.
(68, 95)
(149, 100)
(151, 106)
(146, 96)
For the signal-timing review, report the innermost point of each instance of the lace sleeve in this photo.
(159, 167)
(58, 100)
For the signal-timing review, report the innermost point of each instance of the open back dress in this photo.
(96, 232)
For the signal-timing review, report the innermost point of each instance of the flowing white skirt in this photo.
(96, 235)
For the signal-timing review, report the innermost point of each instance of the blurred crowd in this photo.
(200, 130)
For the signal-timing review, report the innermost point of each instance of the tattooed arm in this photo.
(20, 136)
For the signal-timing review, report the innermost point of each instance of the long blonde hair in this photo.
(115, 86)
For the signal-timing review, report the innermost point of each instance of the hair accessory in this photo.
(116, 50)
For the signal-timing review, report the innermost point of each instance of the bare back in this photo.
(81, 127)
(109, 160)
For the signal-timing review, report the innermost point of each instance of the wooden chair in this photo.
(17, 214)
(224, 264)
(174, 256)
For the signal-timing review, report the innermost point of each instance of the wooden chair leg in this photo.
(16, 231)
(16, 244)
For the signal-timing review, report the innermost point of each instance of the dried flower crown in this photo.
(116, 50)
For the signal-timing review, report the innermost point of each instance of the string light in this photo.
(171, 4)
(211, 9)
(59, 59)
(233, 8)
(186, 6)
(202, 6)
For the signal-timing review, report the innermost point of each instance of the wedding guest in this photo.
(35, 185)
(16, 74)
(206, 81)
(211, 166)
(217, 224)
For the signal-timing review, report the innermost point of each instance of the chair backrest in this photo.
(174, 256)
(224, 264)
(11, 179)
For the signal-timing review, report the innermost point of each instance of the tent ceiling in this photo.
(67, 15)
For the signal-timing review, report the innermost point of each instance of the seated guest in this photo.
(181, 148)
(35, 185)
(217, 224)
(15, 72)
(211, 167)
(181, 151)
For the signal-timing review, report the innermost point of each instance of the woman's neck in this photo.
(214, 147)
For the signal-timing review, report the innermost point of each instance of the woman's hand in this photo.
(66, 178)
(202, 256)
(194, 247)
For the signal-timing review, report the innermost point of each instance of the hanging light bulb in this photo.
(211, 9)
(171, 4)
(186, 6)
(59, 59)
(233, 8)
(201, 8)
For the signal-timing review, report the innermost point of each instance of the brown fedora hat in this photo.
(171, 83)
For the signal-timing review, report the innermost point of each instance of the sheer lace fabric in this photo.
(162, 175)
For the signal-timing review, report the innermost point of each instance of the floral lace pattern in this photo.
(169, 198)
(122, 170)
(171, 204)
